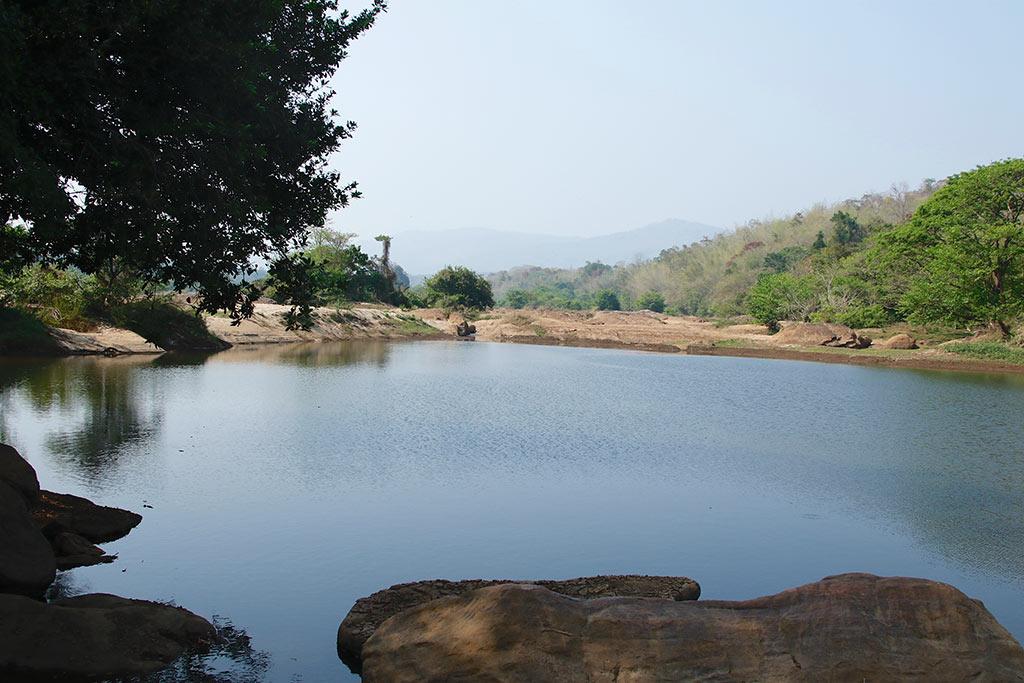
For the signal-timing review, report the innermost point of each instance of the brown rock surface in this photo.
(27, 564)
(819, 334)
(370, 612)
(853, 627)
(93, 637)
(74, 551)
(899, 341)
(58, 512)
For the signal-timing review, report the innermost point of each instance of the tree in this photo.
(607, 300)
(819, 241)
(962, 253)
(385, 259)
(652, 301)
(846, 229)
(516, 298)
(780, 296)
(176, 144)
(459, 287)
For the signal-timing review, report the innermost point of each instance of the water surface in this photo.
(285, 482)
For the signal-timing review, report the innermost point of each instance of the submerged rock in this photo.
(851, 627)
(819, 334)
(94, 637)
(370, 612)
(60, 512)
(27, 564)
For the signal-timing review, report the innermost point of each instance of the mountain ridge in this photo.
(489, 250)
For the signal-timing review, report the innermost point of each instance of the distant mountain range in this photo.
(423, 252)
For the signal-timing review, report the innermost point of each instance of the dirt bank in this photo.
(266, 326)
(648, 331)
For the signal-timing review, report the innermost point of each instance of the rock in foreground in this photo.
(93, 637)
(27, 564)
(370, 612)
(851, 627)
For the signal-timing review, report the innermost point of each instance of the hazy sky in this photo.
(587, 117)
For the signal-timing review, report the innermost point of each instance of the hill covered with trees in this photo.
(949, 252)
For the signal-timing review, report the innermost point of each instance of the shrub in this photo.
(607, 300)
(780, 296)
(162, 323)
(56, 297)
(457, 287)
(23, 333)
(652, 301)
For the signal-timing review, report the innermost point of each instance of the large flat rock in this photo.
(853, 627)
(370, 612)
(93, 637)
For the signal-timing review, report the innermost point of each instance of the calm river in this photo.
(286, 482)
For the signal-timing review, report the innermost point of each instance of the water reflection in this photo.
(371, 463)
(232, 660)
(99, 407)
(311, 355)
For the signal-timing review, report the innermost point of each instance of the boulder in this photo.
(819, 334)
(370, 612)
(17, 473)
(27, 564)
(852, 627)
(899, 341)
(73, 551)
(60, 512)
(94, 637)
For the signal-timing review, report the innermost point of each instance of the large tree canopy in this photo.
(174, 140)
(962, 253)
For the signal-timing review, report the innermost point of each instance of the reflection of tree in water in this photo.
(102, 404)
(232, 660)
(320, 354)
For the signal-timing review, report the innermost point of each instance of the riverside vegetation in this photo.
(948, 255)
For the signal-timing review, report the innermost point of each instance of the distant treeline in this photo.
(948, 251)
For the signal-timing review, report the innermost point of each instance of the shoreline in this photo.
(903, 362)
(629, 331)
(952, 363)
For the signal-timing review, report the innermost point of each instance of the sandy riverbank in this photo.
(648, 331)
(635, 330)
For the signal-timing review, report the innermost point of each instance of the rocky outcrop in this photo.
(819, 334)
(42, 531)
(370, 612)
(27, 564)
(60, 512)
(852, 627)
(17, 473)
(93, 637)
(898, 341)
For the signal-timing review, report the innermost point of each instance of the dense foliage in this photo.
(457, 287)
(961, 257)
(170, 142)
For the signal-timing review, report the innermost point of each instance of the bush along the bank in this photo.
(458, 288)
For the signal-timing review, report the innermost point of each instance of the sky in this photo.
(585, 117)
